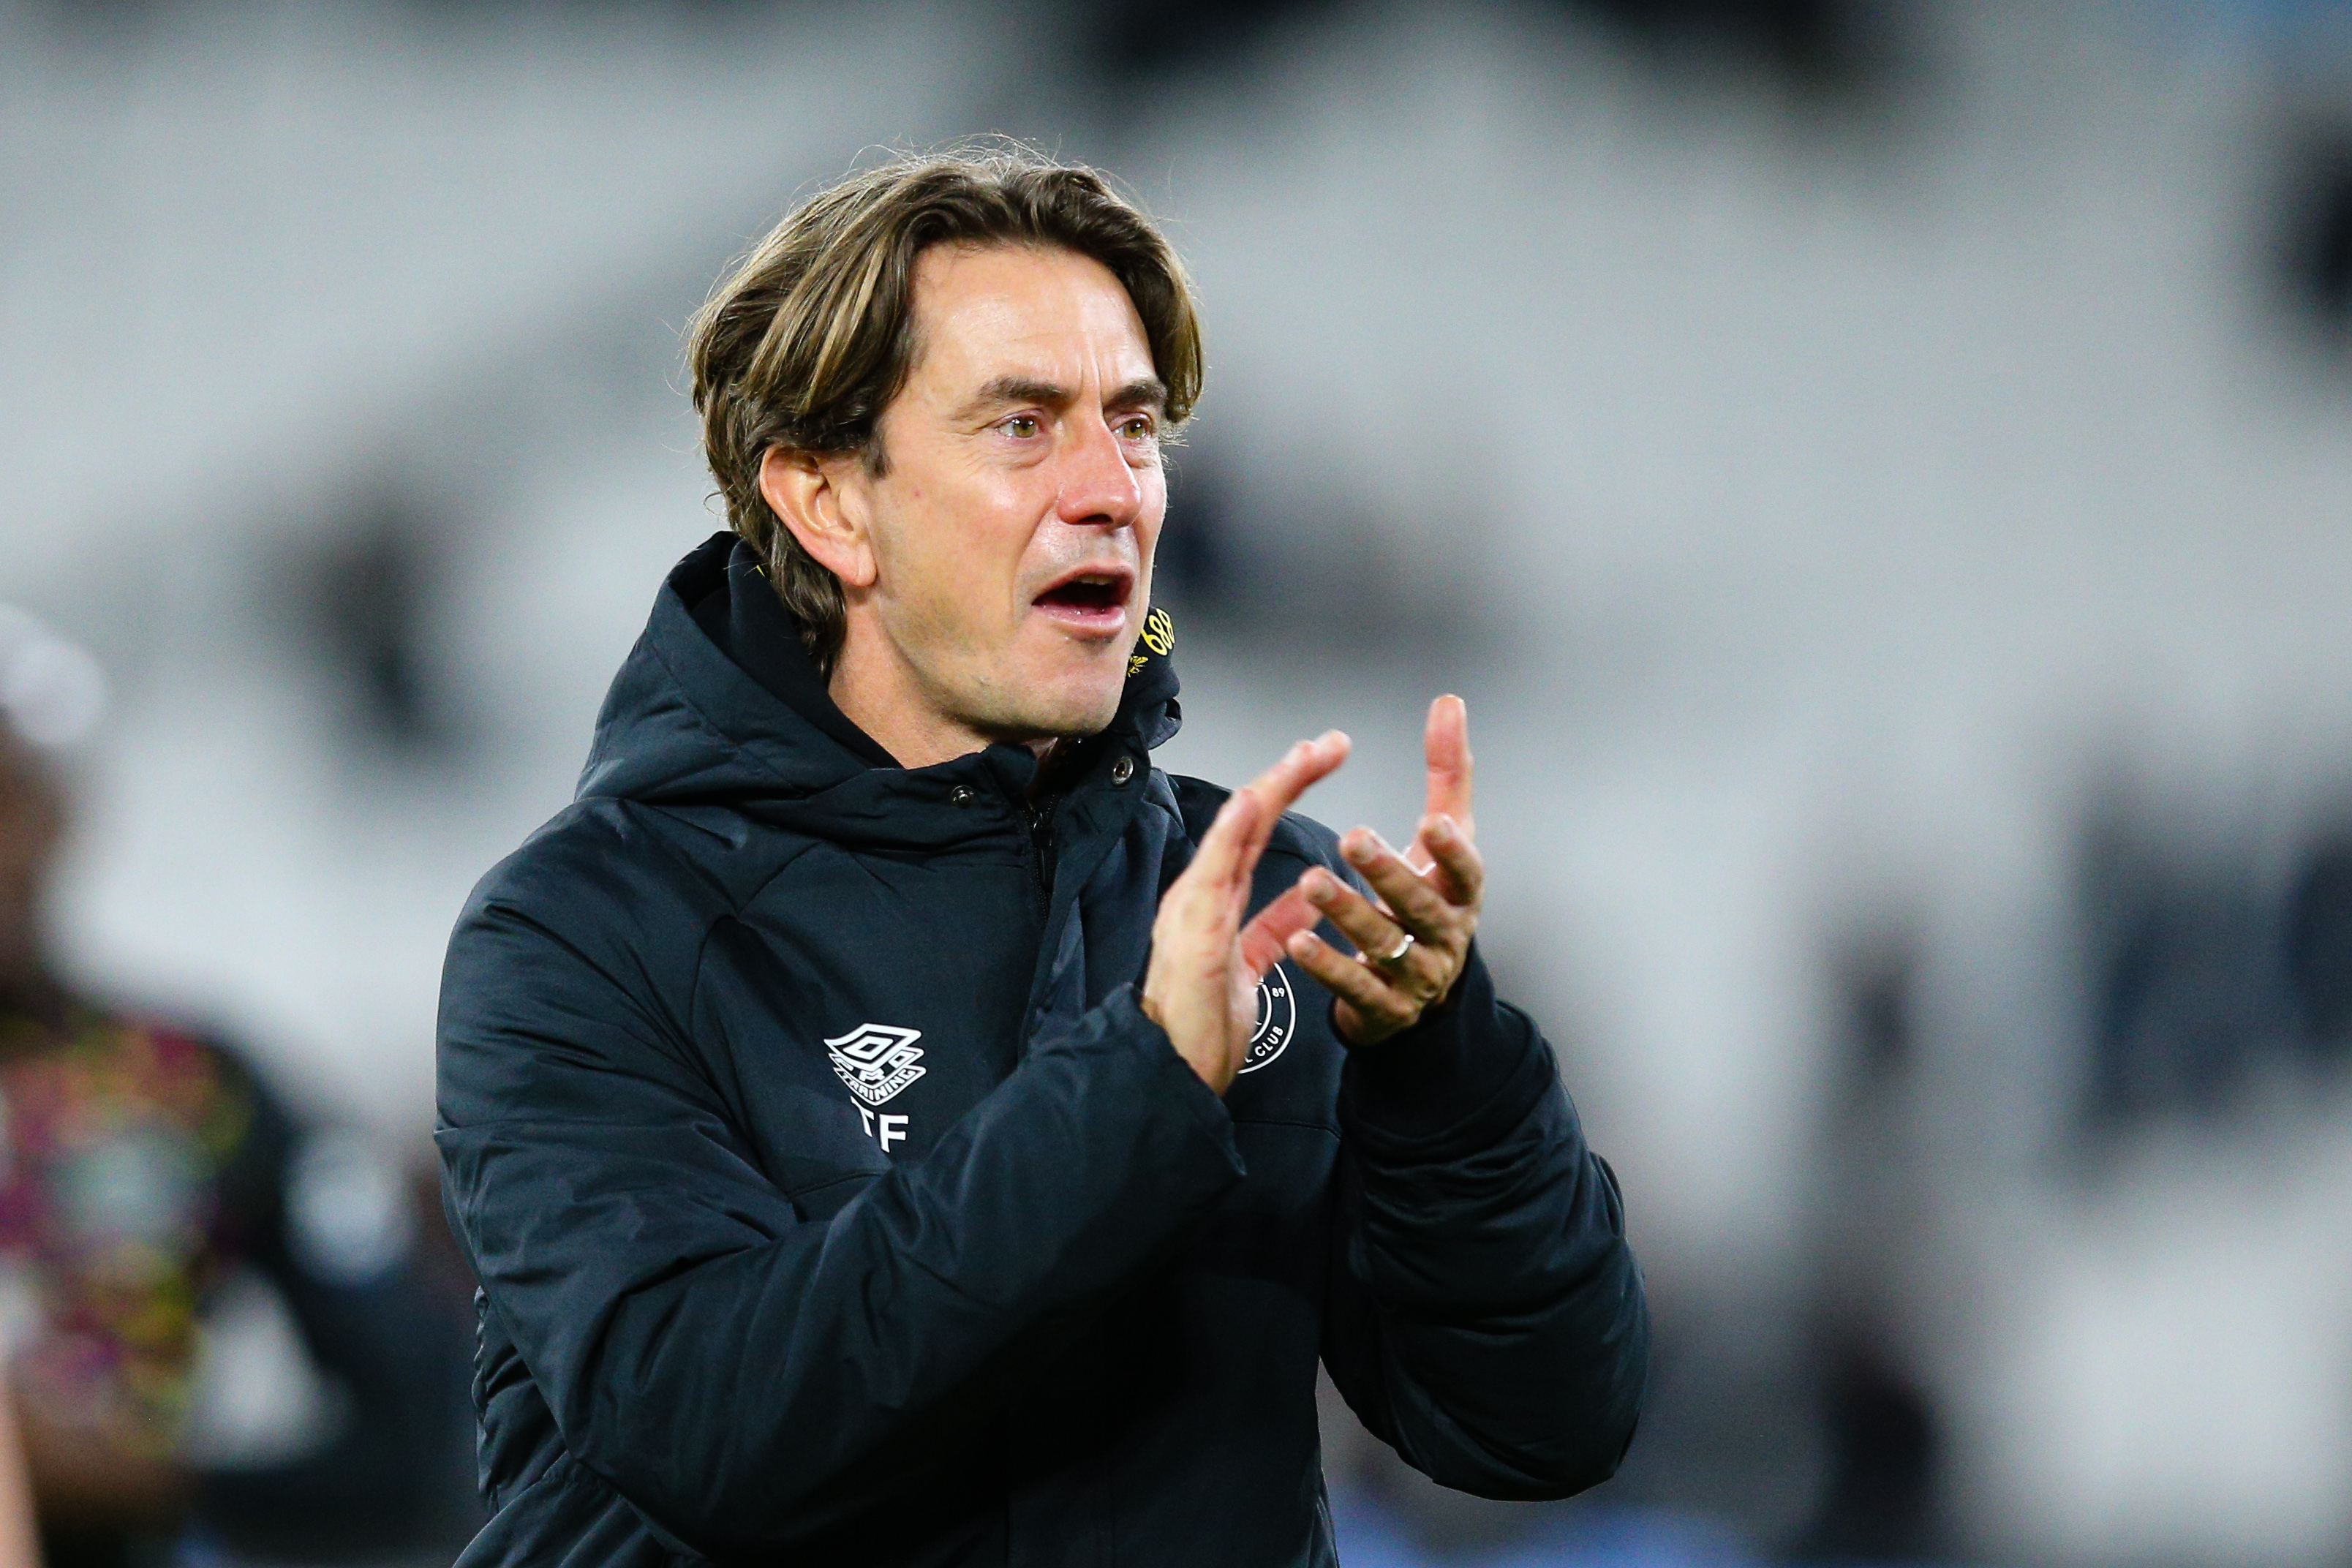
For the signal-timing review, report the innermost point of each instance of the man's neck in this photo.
(875, 692)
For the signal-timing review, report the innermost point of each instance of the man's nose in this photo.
(1098, 486)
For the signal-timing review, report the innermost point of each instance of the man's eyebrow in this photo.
(1007, 389)
(1150, 391)
(1145, 392)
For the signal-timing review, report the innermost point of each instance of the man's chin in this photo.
(1073, 722)
(1067, 710)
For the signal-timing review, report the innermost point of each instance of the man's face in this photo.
(1014, 526)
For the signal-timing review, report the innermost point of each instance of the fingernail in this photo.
(1441, 827)
(1359, 851)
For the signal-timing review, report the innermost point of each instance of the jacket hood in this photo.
(685, 722)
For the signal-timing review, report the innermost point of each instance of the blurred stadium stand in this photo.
(1880, 474)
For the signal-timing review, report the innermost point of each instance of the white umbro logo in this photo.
(876, 1060)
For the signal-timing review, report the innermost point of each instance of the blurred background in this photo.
(1880, 474)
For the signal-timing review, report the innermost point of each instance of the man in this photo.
(882, 1130)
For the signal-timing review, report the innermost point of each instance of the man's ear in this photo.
(818, 499)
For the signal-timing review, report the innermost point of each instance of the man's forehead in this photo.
(982, 313)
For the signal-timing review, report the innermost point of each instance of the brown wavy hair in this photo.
(809, 337)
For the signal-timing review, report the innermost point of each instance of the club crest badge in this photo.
(876, 1060)
(1277, 1019)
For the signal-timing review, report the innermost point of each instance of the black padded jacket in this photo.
(834, 1202)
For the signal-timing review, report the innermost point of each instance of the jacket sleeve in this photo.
(1487, 1318)
(747, 1378)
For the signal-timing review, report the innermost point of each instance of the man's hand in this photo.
(1412, 943)
(1201, 986)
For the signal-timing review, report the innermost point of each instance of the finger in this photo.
(1228, 854)
(1265, 938)
(1445, 748)
(1413, 901)
(1306, 764)
(1308, 761)
(1459, 873)
(1359, 920)
(1276, 789)
(1223, 858)
(1422, 972)
(1246, 820)
(1374, 999)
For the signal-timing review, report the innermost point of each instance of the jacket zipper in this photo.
(1039, 820)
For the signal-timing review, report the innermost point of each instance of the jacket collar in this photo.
(743, 613)
(686, 722)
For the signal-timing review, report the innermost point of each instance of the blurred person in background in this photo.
(144, 1168)
(891, 1120)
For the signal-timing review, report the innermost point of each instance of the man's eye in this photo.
(1023, 425)
(1136, 427)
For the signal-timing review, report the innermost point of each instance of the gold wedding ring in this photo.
(1404, 945)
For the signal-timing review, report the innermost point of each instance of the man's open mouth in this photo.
(1095, 600)
(1086, 593)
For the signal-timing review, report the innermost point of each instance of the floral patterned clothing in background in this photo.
(117, 1213)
